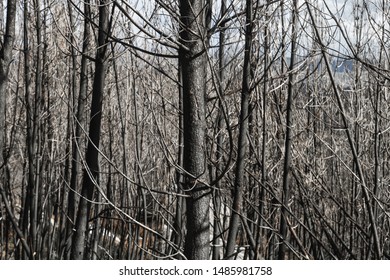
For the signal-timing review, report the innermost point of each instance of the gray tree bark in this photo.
(192, 59)
(5, 61)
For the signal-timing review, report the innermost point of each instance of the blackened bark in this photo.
(193, 37)
(26, 193)
(5, 61)
(287, 145)
(79, 127)
(91, 173)
(242, 138)
(28, 225)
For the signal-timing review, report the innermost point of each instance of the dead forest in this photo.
(194, 129)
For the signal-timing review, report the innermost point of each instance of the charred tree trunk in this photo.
(76, 143)
(5, 61)
(192, 60)
(242, 140)
(288, 143)
(91, 172)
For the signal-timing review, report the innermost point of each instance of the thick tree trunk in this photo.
(192, 60)
(91, 173)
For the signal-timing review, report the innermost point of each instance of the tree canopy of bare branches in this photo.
(191, 129)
